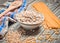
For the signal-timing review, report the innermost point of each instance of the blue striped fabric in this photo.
(12, 15)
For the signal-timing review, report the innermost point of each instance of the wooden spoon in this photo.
(13, 6)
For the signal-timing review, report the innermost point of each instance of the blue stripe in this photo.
(3, 24)
(1, 28)
(12, 15)
(22, 7)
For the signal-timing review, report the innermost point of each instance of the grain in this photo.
(29, 18)
(30, 40)
(13, 37)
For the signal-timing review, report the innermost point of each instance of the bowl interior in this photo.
(41, 19)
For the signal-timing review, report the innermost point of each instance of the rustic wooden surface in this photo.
(41, 31)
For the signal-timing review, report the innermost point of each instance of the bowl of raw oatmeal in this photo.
(29, 19)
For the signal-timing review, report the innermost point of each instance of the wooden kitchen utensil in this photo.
(51, 20)
(13, 6)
